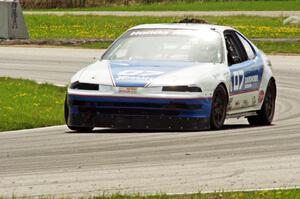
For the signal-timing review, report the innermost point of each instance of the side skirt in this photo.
(239, 115)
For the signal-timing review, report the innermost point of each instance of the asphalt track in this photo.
(168, 13)
(57, 161)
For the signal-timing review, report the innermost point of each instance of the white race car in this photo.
(173, 76)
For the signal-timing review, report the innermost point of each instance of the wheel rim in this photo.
(219, 107)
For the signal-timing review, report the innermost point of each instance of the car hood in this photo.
(144, 73)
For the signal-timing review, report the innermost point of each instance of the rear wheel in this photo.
(266, 113)
(74, 128)
(219, 107)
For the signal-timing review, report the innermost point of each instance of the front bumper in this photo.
(138, 113)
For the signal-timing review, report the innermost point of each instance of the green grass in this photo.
(25, 104)
(98, 45)
(280, 194)
(279, 47)
(276, 194)
(51, 27)
(200, 6)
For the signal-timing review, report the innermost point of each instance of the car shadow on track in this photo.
(121, 131)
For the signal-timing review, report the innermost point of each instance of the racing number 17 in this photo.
(238, 80)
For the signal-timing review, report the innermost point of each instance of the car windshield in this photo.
(168, 45)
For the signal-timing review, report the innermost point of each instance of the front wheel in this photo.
(266, 113)
(74, 128)
(219, 107)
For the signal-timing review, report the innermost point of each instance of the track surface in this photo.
(169, 13)
(57, 161)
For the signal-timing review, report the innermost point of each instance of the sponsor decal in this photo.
(245, 79)
(141, 73)
(161, 32)
(240, 82)
(128, 90)
(149, 32)
(251, 79)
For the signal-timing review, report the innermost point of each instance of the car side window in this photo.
(234, 55)
(247, 46)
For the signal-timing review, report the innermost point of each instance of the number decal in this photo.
(238, 80)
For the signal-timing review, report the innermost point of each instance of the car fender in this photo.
(77, 75)
(267, 76)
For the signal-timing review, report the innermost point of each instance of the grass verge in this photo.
(51, 27)
(279, 194)
(98, 45)
(275, 194)
(57, 27)
(25, 104)
(199, 6)
(279, 47)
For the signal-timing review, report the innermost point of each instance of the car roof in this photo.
(184, 26)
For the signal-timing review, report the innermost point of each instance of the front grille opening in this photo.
(129, 111)
(170, 106)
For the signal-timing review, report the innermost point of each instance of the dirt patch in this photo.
(78, 42)
(54, 42)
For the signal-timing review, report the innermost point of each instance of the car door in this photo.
(245, 70)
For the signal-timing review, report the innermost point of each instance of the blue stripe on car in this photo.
(203, 112)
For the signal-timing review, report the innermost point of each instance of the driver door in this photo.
(245, 72)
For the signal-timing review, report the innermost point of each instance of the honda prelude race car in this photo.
(173, 76)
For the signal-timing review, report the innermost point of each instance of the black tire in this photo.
(74, 128)
(266, 114)
(218, 108)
